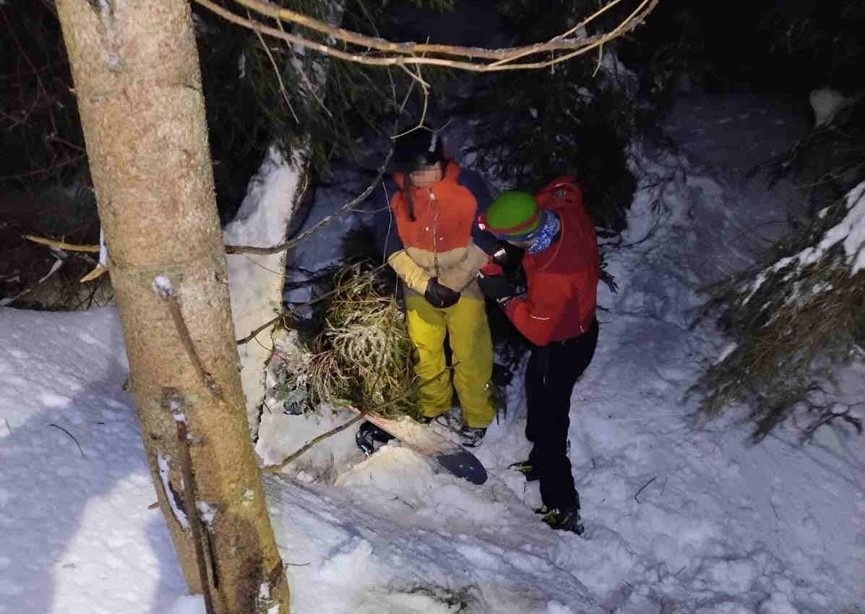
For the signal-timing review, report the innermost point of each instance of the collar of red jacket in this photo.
(451, 172)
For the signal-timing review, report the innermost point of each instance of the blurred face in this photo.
(427, 176)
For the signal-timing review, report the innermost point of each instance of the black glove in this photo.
(497, 287)
(501, 255)
(440, 296)
(510, 258)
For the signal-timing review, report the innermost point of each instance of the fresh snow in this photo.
(681, 515)
(256, 281)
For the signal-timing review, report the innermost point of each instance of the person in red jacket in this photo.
(557, 315)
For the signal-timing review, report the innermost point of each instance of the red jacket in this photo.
(563, 279)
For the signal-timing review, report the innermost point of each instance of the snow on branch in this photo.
(380, 52)
(850, 232)
(792, 320)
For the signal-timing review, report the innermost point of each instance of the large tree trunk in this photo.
(137, 80)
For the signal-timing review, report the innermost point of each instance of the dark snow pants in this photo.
(550, 377)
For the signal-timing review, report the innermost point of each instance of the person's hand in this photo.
(500, 256)
(440, 296)
(509, 258)
(497, 287)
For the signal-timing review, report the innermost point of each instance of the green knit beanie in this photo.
(512, 215)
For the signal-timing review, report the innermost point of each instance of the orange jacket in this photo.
(443, 240)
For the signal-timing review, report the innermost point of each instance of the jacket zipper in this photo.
(435, 217)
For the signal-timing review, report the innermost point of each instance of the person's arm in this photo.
(481, 243)
(461, 275)
(539, 313)
(409, 271)
(388, 241)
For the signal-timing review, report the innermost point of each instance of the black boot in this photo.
(527, 469)
(564, 519)
(368, 435)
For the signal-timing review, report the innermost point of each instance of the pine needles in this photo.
(361, 354)
(792, 320)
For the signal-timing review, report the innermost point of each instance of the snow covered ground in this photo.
(680, 517)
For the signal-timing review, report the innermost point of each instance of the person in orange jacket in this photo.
(432, 241)
(557, 315)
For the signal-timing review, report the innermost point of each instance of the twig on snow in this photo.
(279, 466)
(257, 330)
(643, 487)
(363, 413)
(57, 426)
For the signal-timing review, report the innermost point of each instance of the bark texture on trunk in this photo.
(137, 79)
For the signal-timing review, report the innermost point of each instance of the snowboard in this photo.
(422, 439)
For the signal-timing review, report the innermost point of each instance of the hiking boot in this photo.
(563, 519)
(527, 469)
(471, 437)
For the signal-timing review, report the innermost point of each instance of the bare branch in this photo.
(362, 413)
(252, 249)
(166, 293)
(174, 402)
(281, 465)
(70, 247)
(277, 72)
(255, 332)
(559, 42)
(402, 54)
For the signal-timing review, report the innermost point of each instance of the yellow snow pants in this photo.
(472, 349)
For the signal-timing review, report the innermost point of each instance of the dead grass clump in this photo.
(361, 355)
